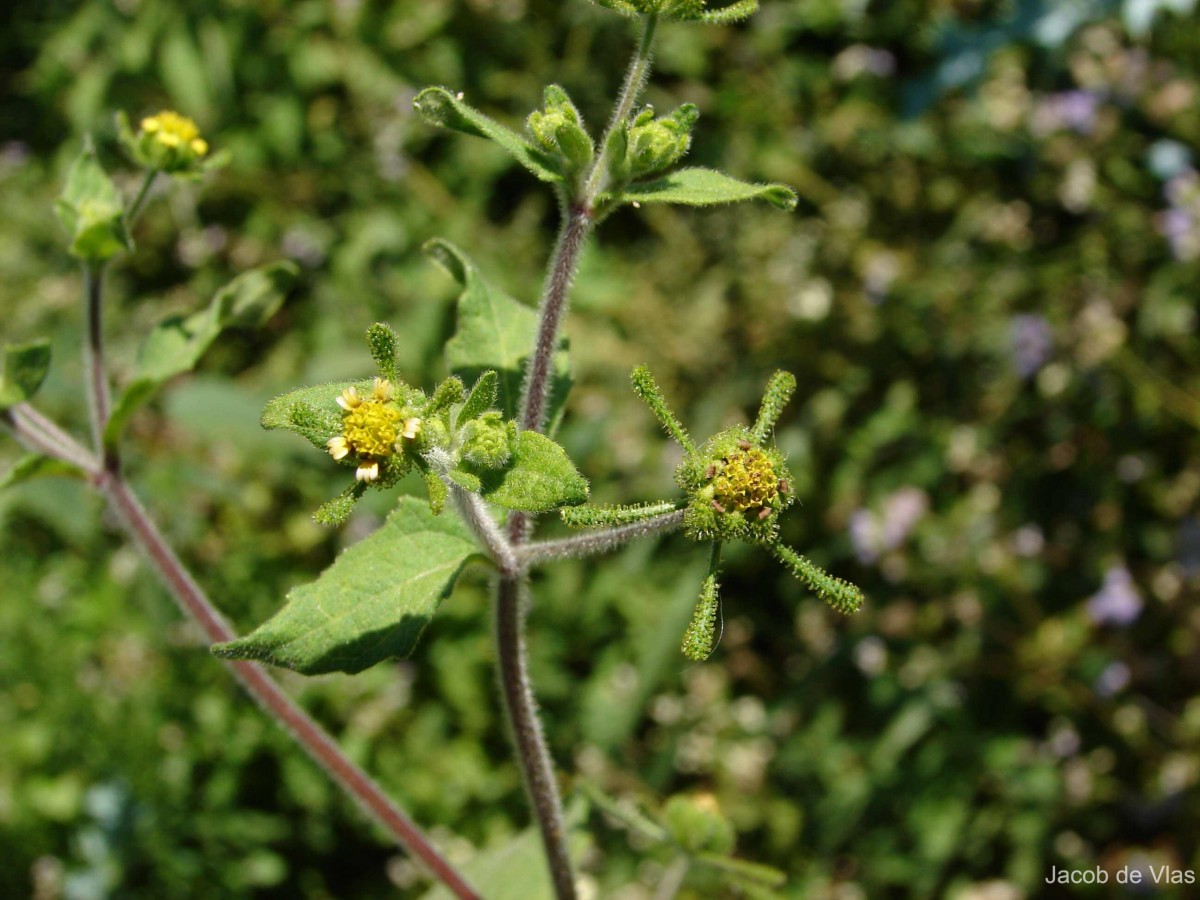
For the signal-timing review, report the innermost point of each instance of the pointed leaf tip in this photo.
(372, 604)
(25, 368)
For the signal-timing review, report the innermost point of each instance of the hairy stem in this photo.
(598, 541)
(635, 81)
(477, 517)
(38, 433)
(536, 766)
(254, 678)
(192, 600)
(536, 390)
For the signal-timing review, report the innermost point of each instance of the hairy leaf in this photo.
(177, 344)
(440, 106)
(705, 187)
(539, 477)
(494, 332)
(372, 604)
(482, 397)
(25, 368)
(312, 412)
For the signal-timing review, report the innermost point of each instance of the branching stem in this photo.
(635, 82)
(600, 540)
(192, 600)
(537, 767)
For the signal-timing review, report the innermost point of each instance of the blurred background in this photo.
(988, 295)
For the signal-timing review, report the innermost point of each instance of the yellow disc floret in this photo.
(371, 427)
(174, 132)
(746, 480)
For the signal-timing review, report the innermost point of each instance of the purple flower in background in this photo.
(1031, 343)
(1117, 602)
(1065, 111)
(901, 512)
(864, 535)
(873, 534)
(1113, 680)
(1179, 223)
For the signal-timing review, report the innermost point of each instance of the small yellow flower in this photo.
(372, 428)
(174, 131)
(165, 142)
(746, 479)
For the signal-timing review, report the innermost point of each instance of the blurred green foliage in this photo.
(988, 296)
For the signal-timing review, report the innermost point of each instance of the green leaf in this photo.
(177, 344)
(704, 187)
(516, 869)
(482, 397)
(34, 466)
(92, 211)
(744, 871)
(25, 368)
(539, 477)
(495, 332)
(338, 510)
(312, 412)
(372, 604)
(442, 107)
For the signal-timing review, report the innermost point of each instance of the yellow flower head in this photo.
(371, 427)
(175, 131)
(166, 142)
(746, 479)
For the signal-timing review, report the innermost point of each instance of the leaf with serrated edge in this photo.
(706, 187)
(539, 477)
(25, 368)
(176, 345)
(495, 332)
(440, 106)
(372, 604)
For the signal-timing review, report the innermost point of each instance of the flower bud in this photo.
(697, 825)
(485, 441)
(657, 144)
(558, 129)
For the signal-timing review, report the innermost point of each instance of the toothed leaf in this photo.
(372, 604)
(495, 332)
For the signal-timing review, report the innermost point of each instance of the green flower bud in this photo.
(558, 130)
(697, 824)
(656, 144)
(485, 441)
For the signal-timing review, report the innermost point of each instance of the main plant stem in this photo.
(537, 767)
(192, 600)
